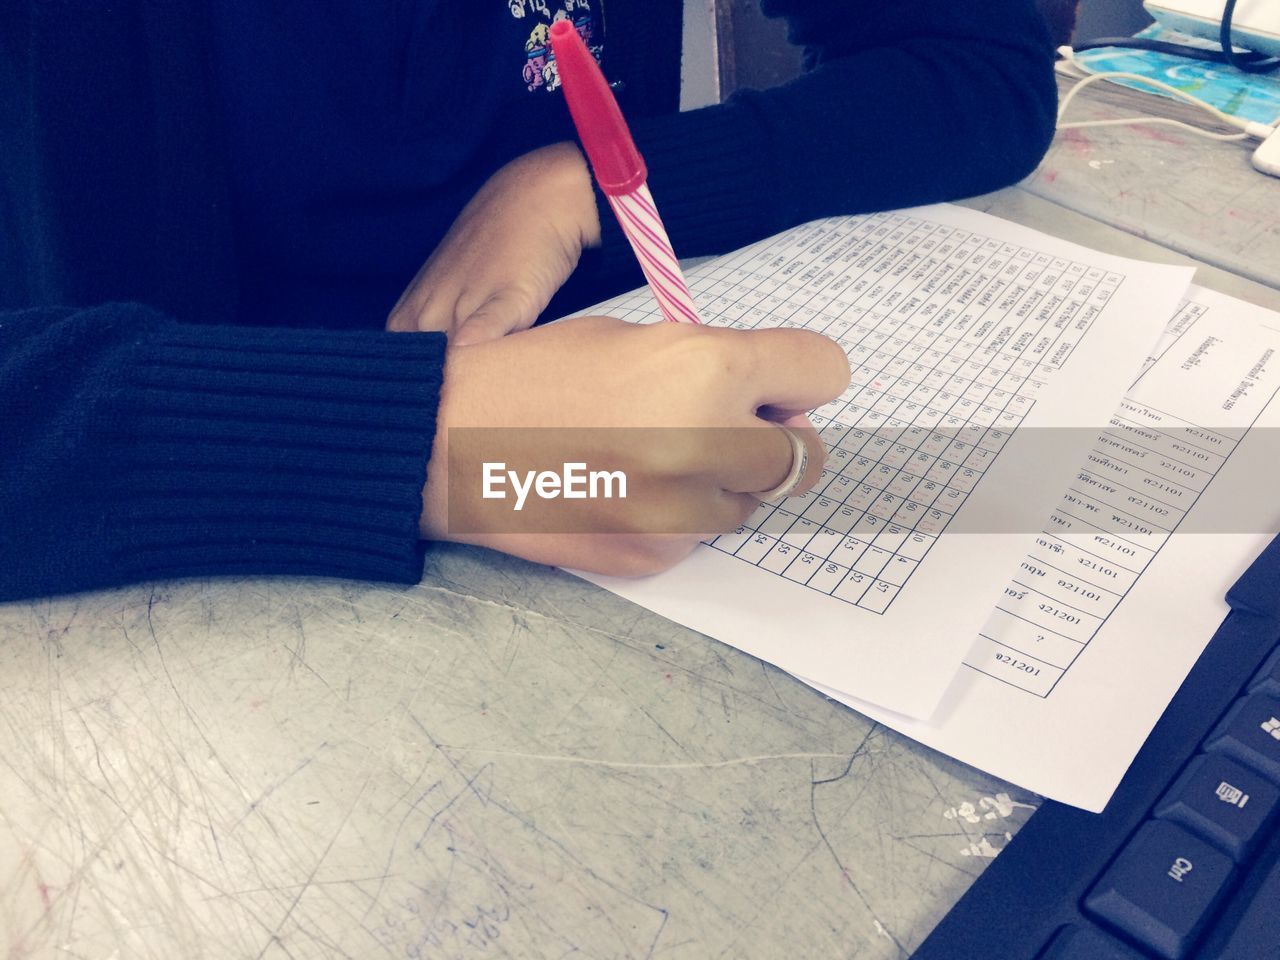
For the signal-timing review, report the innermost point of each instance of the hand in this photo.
(677, 408)
(512, 247)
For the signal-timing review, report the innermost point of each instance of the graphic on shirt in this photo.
(519, 8)
(539, 71)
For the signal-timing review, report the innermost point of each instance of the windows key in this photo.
(1250, 734)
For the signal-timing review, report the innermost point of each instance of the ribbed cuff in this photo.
(708, 181)
(257, 451)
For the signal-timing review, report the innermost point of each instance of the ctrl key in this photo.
(1161, 889)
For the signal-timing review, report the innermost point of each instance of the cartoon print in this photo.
(551, 74)
(539, 69)
(537, 52)
(535, 70)
(539, 37)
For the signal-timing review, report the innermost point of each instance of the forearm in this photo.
(137, 447)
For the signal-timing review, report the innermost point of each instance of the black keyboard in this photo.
(1185, 860)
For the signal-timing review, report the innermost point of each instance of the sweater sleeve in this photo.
(136, 447)
(902, 103)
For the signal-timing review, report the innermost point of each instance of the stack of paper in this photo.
(990, 368)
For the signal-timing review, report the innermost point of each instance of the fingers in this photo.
(412, 312)
(418, 311)
(799, 424)
(508, 251)
(758, 459)
(796, 370)
(786, 373)
(504, 312)
(405, 317)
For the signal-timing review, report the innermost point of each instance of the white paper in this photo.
(963, 330)
(1062, 708)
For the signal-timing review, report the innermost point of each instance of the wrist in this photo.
(562, 171)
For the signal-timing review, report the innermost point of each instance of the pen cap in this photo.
(617, 164)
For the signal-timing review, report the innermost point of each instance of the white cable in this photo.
(1164, 121)
(1249, 129)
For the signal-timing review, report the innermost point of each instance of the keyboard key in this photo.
(1250, 733)
(1267, 680)
(1222, 802)
(1256, 936)
(1086, 943)
(1161, 889)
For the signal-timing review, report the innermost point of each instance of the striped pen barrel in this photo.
(642, 225)
(620, 171)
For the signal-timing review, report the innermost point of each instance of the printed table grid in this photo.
(950, 335)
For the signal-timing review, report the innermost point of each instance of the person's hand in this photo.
(512, 247)
(689, 414)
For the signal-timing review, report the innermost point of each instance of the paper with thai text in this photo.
(964, 332)
(1106, 614)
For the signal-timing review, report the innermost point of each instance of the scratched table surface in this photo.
(1197, 196)
(501, 762)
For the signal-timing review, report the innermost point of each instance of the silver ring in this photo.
(799, 463)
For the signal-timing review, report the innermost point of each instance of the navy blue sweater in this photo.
(165, 414)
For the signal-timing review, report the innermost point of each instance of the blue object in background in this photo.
(1248, 96)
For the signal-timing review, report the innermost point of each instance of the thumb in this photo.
(503, 313)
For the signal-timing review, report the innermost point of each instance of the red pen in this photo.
(620, 171)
